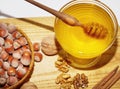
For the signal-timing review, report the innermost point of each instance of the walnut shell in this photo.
(49, 45)
(29, 85)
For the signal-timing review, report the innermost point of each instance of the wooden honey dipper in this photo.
(92, 29)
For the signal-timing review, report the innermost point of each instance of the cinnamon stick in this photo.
(112, 81)
(106, 79)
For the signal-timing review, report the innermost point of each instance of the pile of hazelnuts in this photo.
(15, 55)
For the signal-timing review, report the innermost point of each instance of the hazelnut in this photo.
(2, 82)
(38, 56)
(11, 28)
(11, 71)
(6, 65)
(21, 71)
(1, 63)
(3, 32)
(25, 60)
(11, 80)
(2, 41)
(36, 46)
(16, 34)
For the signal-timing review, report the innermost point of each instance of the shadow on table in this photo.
(28, 21)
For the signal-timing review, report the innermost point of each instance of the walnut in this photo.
(80, 81)
(62, 65)
(29, 85)
(49, 45)
(64, 80)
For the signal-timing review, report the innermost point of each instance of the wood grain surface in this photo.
(45, 73)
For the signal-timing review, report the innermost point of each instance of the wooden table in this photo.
(45, 73)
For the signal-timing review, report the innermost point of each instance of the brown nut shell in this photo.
(49, 45)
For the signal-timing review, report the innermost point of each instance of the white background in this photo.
(21, 8)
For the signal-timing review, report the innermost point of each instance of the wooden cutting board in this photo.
(45, 73)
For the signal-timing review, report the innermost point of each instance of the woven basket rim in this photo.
(31, 66)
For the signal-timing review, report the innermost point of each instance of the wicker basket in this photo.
(30, 69)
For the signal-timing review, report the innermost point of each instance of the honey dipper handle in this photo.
(64, 17)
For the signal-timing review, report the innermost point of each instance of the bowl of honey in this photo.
(82, 50)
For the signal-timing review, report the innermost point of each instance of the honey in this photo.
(74, 40)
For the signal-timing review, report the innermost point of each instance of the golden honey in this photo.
(74, 40)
